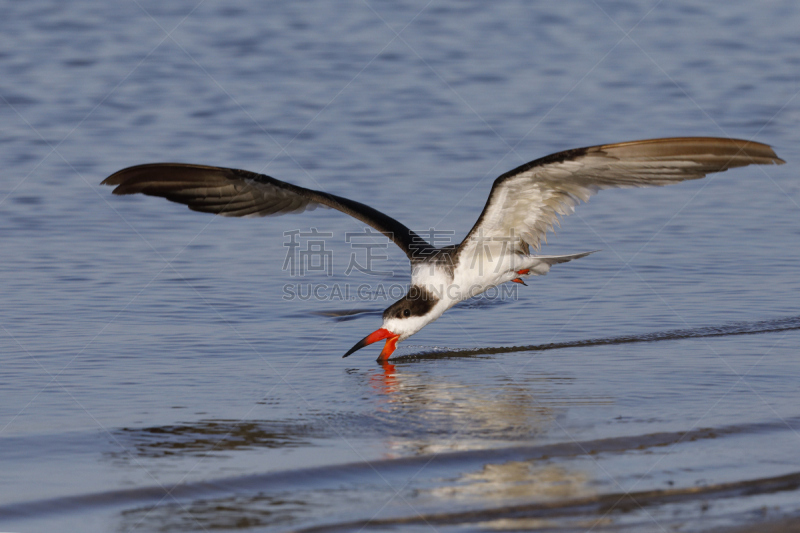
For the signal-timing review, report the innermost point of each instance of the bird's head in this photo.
(402, 319)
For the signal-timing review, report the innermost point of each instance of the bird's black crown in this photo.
(417, 302)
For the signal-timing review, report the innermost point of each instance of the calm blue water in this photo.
(155, 377)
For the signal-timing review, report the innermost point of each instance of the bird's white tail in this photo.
(540, 264)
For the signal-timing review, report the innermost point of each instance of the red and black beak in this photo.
(375, 336)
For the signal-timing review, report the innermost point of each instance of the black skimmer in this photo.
(523, 204)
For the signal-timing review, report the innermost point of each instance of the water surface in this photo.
(155, 376)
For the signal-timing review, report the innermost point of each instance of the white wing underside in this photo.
(526, 202)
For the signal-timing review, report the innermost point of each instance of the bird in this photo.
(523, 205)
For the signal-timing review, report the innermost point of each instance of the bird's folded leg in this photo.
(521, 273)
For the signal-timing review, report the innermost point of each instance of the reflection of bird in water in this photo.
(524, 480)
(523, 204)
(430, 413)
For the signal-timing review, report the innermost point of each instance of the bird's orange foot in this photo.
(521, 273)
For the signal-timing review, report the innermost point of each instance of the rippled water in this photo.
(155, 375)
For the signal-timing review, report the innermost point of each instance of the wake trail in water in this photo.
(594, 505)
(728, 330)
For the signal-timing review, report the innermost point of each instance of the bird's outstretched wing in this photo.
(525, 202)
(240, 193)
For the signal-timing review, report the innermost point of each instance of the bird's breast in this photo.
(473, 274)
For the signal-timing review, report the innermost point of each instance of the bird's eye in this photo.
(407, 312)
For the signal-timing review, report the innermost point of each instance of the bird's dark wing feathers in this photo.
(239, 193)
(525, 202)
